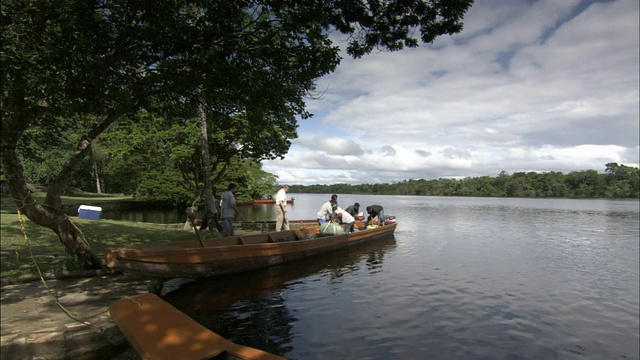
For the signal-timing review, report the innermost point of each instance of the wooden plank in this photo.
(156, 330)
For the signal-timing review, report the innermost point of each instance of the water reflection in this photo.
(251, 308)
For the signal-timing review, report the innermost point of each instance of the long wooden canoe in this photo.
(270, 225)
(233, 254)
(158, 331)
(263, 201)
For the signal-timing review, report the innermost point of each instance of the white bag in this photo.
(331, 228)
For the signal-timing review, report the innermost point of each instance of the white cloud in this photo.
(547, 86)
(332, 146)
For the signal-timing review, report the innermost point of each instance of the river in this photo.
(462, 278)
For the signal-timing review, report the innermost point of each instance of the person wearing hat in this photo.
(327, 210)
(281, 209)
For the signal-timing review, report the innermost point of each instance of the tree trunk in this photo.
(96, 174)
(51, 217)
(50, 214)
(210, 202)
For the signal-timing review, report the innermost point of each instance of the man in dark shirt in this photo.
(375, 211)
(353, 210)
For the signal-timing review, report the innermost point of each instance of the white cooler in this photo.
(89, 212)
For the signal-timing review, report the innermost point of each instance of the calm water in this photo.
(463, 278)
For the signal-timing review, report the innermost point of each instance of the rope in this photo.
(73, 316)
(134, 300)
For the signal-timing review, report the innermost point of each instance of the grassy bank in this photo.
(17, 244)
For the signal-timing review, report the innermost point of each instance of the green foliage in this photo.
(151, 158)
(163, 184)
(247, 65)
(145, 156)
(257, 58)
(619, 181)
(252, 181)
(72, 68)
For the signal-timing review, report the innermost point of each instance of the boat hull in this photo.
(270, 225)
(263, 201)
(234, 254)
(158, 331)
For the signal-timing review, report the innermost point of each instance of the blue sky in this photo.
(526, 86)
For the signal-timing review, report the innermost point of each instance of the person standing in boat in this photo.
(375, 211)
(353, 210)
(346, 219)
(229, 210)
(281, 209)
(326, 212)
(335, 198)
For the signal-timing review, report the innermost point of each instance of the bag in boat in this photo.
(389, 219)
(331, 228)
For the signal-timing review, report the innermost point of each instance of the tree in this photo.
(623, 181)
(104, 60)
(584, 183)
(148, 144)
(252, 181)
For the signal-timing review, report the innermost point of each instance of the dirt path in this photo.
(34, 326)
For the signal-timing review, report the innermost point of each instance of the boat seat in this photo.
(246, 240)
(234, 240)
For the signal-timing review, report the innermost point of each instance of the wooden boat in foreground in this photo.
(157, 331)
(234, 254)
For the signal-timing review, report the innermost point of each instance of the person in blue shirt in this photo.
(228, 210)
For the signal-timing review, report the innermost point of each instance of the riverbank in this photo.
(66, 318)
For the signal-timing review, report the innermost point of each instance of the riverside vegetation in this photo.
(618, 181)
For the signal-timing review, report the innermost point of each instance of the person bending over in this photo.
(326, 212)
(346, 219)
(353, 210)
(375, 211)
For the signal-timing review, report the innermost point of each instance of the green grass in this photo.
(49, 252)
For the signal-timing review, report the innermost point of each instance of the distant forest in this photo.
(618, 181)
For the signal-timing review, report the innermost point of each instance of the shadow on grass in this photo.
(93, 290)
(113, 233)
(51, 255)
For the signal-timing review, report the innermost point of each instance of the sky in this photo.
(536, 86)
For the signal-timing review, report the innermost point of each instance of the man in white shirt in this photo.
(346, 219)
(281, 209)
(326, 211)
